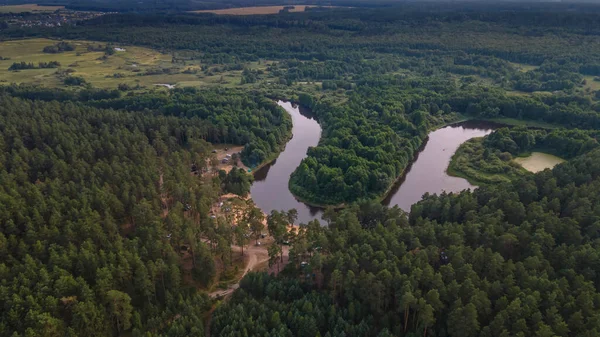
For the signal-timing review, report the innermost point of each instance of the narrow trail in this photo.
(257, 255)
(163, 195)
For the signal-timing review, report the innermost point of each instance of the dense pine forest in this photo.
(516, 259)
(404, 72)
(108, 194)
(85, 250)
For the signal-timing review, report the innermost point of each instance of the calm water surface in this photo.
(426, 174)
(270, 189)
(428, 171)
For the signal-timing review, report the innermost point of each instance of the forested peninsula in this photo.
(126, 171)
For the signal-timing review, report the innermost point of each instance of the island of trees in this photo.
(107, 195)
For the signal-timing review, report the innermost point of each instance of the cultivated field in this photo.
(134, 66)
(28, 8)
(255, 10)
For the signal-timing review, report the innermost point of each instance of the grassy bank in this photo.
(479, 166)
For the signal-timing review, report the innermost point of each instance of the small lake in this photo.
(427, 173)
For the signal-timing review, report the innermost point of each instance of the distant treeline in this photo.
(59, 48)
(28, 65)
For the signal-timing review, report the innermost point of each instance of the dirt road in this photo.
(257, 255)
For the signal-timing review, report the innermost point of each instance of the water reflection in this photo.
(426, 174)
(270, 189)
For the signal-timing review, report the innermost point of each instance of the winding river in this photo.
(427, 174)
(270, 188)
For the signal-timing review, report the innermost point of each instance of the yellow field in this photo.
(129, 66)
(28, 8)
(255, 10)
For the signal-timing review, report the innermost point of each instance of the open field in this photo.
(255, 10)
(591, 83)
(538, 161)
(134, 66)
(524, 67)
(28, 8)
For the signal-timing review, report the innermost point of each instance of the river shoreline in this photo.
(272, 189)
(398, 181)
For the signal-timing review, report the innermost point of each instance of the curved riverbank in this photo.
(427, 173)
(271, 189)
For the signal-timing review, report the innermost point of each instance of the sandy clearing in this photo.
(256, 256)
(539, 161)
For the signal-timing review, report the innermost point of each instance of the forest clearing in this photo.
(538, 161)
(129, 209)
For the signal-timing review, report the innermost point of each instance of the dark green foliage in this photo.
(74, 80)
(83, 247)
(237, 181)
(93, 243)
(368, 142)
(231, 117)
(59, 48)
(82, 199)
(84, 177)
(51, 64)
(41, 65)
(489, 160)
(522, 261)
(226, 116)
(548, 77)
(21, 66)
(563, 143)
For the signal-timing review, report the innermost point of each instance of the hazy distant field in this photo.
(28, 8)
(255, 10)
(134, 66)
